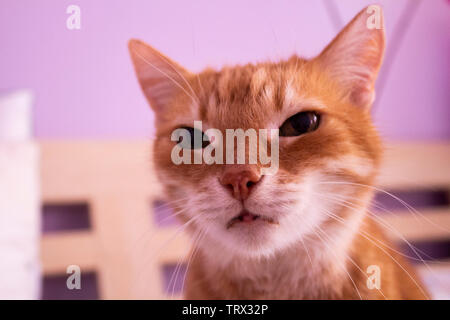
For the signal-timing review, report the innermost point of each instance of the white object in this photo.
(19, 200)
(15, 116)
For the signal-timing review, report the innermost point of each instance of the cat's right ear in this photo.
(354, 57)
(158, 76)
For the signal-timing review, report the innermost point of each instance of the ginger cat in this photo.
(304, 232)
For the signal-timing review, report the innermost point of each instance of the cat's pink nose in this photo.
(240, 179)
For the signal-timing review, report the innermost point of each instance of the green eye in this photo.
(190, 142)
(300, 123)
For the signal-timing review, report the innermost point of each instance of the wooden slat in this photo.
(430, 225)
(79, 169)
(61, 249)
(91, 166)
(173, 246)
(118, 222)
(416, 166)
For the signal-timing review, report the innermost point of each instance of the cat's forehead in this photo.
(245, 96)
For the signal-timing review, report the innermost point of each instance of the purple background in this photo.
(85, 87)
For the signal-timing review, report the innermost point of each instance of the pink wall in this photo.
(85, 86)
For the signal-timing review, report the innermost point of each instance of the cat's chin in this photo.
(252, 248)
(252, 237)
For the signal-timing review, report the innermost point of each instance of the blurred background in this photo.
(73, 122)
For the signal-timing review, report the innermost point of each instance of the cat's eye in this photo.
(202, 142)
(300, 123)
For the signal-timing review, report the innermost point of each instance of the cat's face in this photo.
(328, 147)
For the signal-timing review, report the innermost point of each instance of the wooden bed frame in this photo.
(117, 181)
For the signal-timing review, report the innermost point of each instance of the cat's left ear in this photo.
(354, 57)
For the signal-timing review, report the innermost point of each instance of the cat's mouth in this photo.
(248, 217)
